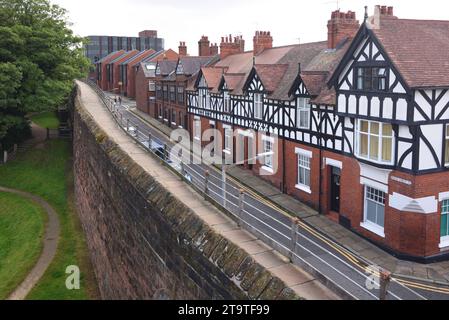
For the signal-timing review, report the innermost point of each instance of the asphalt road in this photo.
(335, 265)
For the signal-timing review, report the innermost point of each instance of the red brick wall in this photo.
(142, 93)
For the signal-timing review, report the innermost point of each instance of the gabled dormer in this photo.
(179, 68)
(367, 82)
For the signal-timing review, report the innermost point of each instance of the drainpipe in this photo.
(320, 179)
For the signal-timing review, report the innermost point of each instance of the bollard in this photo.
(241, 202)
(385, 278)
(5, 156)
(206, 184)
(294, 238)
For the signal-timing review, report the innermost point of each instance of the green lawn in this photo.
(21, 230)
(46, 120)
(47, 172)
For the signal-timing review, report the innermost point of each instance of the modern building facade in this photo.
(99, 47)
(362, 121)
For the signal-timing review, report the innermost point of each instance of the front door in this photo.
(335, 189)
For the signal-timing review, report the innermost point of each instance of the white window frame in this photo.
(197, 129)
(258, 106)
(151, 86)
(227, 138)
(368, 224)
(446, 135)
(200, 99)
(226, 102)
(302, 153)
(303, 111)
(268, 153)
(380, 137)
(444, 240)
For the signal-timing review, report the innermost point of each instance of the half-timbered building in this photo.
(362, 120)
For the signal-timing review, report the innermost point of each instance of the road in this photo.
(350, 275)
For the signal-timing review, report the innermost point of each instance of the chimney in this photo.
(340, 26)
(213, 49)
(381, 12)
(262, 40)
(203, 47)
(230, 46)
(182, 49)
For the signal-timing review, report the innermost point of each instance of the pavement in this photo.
(433, 273)
(301, 282)
(422, 281)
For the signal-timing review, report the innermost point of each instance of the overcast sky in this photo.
(188, 20)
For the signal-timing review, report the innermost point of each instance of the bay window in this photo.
(303, 113)
(258, 106)
(374, 141)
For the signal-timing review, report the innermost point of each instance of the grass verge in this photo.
(46, 171)
(22, 224)
(46, 120)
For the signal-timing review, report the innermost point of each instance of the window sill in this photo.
(303, 188)
(267, 169)
(373, 228)
(444, 243)
(227, 151)
(173, 123)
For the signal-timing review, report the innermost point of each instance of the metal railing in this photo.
(274, 228)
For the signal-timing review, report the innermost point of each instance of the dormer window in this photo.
(226, 102)
(303, 113)
(258, 104)
(371, 79)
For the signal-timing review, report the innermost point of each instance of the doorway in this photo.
(335, 189)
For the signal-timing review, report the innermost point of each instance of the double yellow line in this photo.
(363, 266)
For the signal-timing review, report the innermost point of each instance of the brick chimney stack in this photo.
(262, 40)
(214, 49)
(381, 12)
(340, 26)
(182, 49)
(230, 46)
(203, 47)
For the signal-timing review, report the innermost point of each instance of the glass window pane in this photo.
(374, 148)
(387, 130)
(374, 128)
(444, 229)
(364, 126)
(380, 215)
(363, 147)
(387, 149)
(371, 211)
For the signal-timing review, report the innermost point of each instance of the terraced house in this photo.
(362, 120)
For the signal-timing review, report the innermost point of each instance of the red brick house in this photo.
(128, 72)
(145, 79)
(362, 120)
(101, 68)
(113, 72)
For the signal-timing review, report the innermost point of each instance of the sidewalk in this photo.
(436, 272)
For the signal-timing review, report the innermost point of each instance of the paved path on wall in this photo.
(340, 267)
(49, 249)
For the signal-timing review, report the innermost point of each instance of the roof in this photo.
(418, 48)
(167, 66)
(213, 76)
(192, 65)
(124, 57)
(148, 68)
(139, 57)
(112, 55)
(271, 75)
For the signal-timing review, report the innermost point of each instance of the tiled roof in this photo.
(167, 66)
(149, 69)
(418, 48)
(234, 80)
(271, 75)
(139, 57)
(213, 76)
(192, 65)
(112, 55)
(314, 81)
(124, 57)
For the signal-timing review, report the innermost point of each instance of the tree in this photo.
(39, 59)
